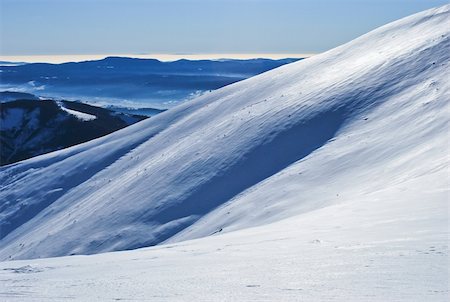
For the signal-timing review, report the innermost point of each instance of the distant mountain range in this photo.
(134, 82)
(30, 128)
(8, 63)
(8, 96)
(137, 111)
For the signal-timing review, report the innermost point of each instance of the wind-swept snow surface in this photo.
(332, 172)
(381, 248)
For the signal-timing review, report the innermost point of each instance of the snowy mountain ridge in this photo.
(32, 127)
(344, 126)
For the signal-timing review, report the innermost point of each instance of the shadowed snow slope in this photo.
(364, 124)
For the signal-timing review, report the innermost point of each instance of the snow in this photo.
(366, 250)
(79, 115)
(324, 179)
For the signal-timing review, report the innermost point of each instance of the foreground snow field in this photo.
(380, 248)
(325, 179)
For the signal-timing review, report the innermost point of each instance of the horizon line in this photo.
(56, 59)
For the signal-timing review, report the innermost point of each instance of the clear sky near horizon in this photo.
(86, 27)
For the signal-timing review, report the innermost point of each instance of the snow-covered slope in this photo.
(390, 245)
(363, 127)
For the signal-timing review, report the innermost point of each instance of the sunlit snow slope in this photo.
(365, 124)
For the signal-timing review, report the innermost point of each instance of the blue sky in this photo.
(57, 27)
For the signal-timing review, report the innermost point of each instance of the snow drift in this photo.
(346, 126)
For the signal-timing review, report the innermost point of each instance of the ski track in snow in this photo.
(322, 180)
